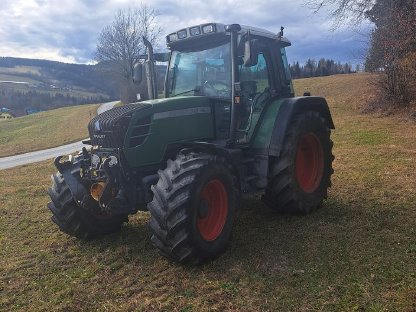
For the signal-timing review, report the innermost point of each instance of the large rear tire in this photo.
(193, 208)
(301, 176)
(76, 221)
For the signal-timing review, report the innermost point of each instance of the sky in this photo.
(68, 30)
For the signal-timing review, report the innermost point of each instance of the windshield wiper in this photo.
(184, 92)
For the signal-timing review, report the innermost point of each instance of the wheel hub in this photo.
(212, 210)
(309, 162)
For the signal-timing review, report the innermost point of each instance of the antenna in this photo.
(281, 32)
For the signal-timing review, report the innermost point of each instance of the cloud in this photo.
(68, 30)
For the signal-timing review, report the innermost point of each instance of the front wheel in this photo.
(301, 175)
(193, 208)
(76, 221)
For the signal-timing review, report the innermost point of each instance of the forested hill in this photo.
(61, 75)
(32, 85)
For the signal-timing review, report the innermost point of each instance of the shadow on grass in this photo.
(261, 238)
(344, 253)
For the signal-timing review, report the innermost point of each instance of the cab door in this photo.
(256, 84)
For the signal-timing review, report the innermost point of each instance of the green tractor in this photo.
(228, 125)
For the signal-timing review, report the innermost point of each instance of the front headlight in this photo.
(113, 161)
(95, 160)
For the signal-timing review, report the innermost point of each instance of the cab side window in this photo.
(287, 76)
(255, 85)
(255, 79)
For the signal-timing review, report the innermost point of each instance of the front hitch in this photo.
(108, 192)
(112, 197)
(109, 200)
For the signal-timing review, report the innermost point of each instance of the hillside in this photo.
(45, 129)
(357, 253)
(61, 75)
(42, 84)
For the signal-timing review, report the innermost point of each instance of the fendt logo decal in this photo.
(182, 112)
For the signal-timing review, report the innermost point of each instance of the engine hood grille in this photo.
(109, 128)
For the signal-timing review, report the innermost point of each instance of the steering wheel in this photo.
(217, 87)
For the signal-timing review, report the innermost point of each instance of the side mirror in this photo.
(251, 53)
(138, 73)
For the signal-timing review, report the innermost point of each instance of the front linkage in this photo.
(89, 193)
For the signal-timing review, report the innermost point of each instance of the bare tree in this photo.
(120, 44)
(343, 10)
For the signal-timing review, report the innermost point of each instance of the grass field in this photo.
(357, 253)
(46, 129)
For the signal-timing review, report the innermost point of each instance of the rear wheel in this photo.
(76, 221)
(302, 174)
(193, 208)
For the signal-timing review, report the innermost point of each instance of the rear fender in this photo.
(290, 108)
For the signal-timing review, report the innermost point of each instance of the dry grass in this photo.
(357, 253)
(46, 129)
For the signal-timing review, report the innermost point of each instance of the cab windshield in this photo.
(206, 72)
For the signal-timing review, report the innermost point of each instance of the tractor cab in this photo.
(234, 66)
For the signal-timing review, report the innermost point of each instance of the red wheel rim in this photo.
(214, 197)
(309, 162)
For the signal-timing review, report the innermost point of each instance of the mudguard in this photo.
(70, 173)
(291, 107)
(233, 156)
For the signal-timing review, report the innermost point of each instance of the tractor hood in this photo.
(108, 129)
(155, 122)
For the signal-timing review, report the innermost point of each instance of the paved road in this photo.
(106, 106)
(32, 157)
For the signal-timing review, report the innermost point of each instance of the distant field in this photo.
(21, 70)
(46, 129)
(357, 253)
(26, 88)
(7, 77)
(19, 73)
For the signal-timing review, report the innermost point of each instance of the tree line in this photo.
(20, 101)
(323, 67)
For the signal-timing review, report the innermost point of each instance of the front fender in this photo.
(70, 172)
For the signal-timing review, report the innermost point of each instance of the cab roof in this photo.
(210, 30)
